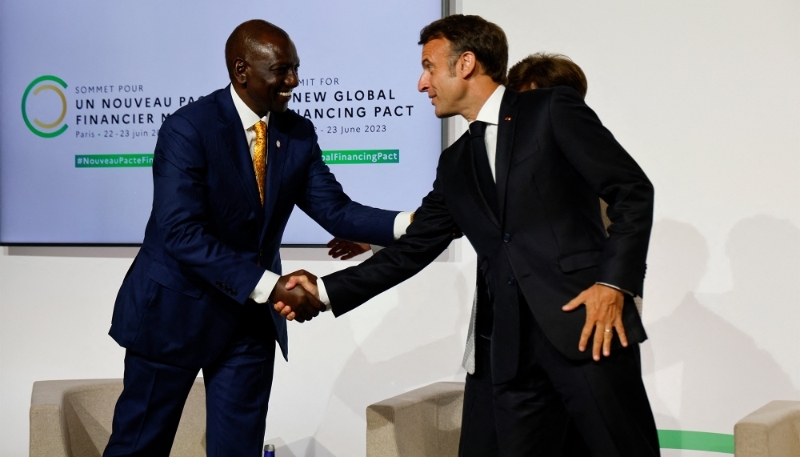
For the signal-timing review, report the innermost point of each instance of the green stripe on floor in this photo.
(695, 441)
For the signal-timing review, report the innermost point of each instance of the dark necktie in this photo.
(481, 160)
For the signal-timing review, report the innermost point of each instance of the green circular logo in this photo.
(42, 128)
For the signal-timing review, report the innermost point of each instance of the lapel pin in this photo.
(278, 143)
(508, 118)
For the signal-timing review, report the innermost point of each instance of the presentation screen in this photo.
(85, 86)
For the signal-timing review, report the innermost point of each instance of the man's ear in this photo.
(240, 71)
(467, 65)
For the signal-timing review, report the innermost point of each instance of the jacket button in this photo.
(511, 281)
(506, 237)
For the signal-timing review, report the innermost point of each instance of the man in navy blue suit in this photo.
(228, 170)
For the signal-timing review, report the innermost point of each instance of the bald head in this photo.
(262, 65)
(247, 38)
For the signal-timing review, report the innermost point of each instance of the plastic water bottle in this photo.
(269, 450)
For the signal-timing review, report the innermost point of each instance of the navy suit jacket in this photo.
(208, 240)
(554, 158)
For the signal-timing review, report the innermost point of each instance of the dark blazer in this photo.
(209, 240)
(554, 158)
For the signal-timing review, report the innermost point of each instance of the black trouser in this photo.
(555, 406)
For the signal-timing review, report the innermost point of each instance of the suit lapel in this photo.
(277, 148)
(472, 182)
(507, 121)
(232, 133)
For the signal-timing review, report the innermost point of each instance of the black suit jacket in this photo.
(554, 158)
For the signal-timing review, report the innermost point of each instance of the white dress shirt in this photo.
(489, 113)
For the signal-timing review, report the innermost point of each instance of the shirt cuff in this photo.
(264, 287)
(401, 223)
(323, 294)
(615, 287)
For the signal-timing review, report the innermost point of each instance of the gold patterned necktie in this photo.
(260, 156)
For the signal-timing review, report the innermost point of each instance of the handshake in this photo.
(302, 303)
(297, 303)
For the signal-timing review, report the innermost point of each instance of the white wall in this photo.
(703, 94)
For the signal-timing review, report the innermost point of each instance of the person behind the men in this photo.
(546, 70)
(523, 185)
(228, 170)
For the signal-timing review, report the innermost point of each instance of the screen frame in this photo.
(447, 6)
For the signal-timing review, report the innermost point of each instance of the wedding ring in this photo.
(608, 330)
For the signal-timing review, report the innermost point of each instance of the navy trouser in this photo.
(237, 385)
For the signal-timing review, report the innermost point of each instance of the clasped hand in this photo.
(297, 303)
(603, 316)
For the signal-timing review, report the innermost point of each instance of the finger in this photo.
(585, 334)
(574, 303)
(295, 280)
(349, 255)
(618, 325)
(290, 316)
(598, 341)
(286, 311)
(337, 247)
(303, 280)
(306, 315)
(608, 336)
(278, 306)
(305, 283)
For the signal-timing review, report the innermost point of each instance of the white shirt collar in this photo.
(490, 111)
(248, 116)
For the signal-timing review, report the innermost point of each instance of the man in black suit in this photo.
(523, 185)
